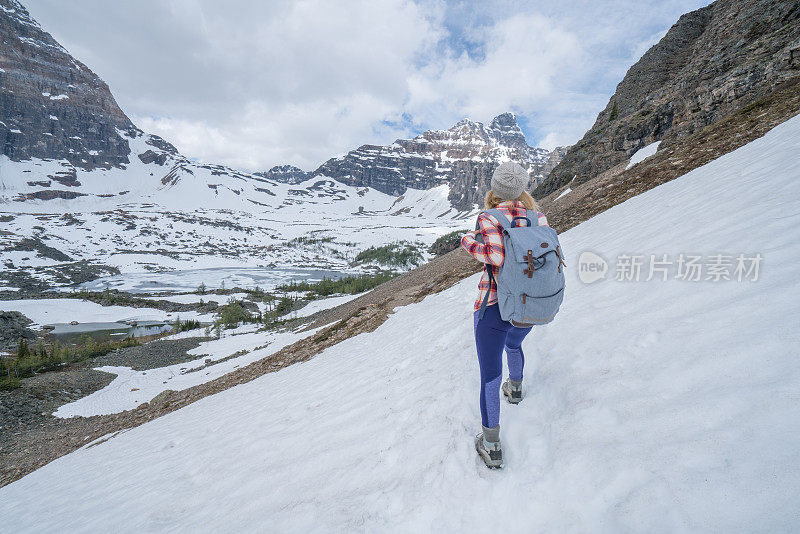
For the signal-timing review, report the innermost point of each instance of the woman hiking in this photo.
(492, 333)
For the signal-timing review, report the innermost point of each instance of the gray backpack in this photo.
(530, 283)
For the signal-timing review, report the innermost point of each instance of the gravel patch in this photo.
(159, 353)
(31, 405)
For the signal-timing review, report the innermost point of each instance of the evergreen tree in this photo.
(22, 349)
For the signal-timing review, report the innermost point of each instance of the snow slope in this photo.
(321, 304)
(651, 406)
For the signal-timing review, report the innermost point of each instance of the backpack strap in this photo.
(486, 297)
(505, 224)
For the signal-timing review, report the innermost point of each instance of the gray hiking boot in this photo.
(512, 389)
(487, 443)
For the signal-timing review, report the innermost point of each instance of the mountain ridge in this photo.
(463, 156)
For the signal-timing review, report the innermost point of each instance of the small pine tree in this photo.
(22, 349)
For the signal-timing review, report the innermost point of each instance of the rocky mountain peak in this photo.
(465, 123)
(288, 174)
(463, 156)
(506, 131)
(465, 130)
(52, 106)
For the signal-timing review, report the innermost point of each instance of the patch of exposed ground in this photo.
(13, 327)
(152, 355)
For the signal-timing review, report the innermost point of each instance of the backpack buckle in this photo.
(531, 268)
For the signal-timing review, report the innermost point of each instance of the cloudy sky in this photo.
(256, 84)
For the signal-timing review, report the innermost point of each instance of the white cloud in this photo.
(321, 79)
(524, 54)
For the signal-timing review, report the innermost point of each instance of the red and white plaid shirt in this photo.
(491, 251)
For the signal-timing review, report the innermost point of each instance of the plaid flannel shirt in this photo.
(491, 251)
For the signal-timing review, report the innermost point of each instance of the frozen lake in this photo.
(107, 330)
(214, 278)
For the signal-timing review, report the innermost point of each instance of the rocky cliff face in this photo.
(712, 62)
(463, 156)
(554, 159)
(51, 105)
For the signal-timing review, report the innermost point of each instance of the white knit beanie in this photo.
(509, 180)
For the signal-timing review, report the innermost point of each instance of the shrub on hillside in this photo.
(397, 254)
(232, 314)
(349, 285)
(446, 243)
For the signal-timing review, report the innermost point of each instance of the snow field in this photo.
(156, 226)
(322, 304)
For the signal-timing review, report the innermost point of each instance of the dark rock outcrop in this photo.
(13, 327)
(51, 105)
(51, 194)
(712, 62)
(287, 174)
(463, 156)
(150, 156)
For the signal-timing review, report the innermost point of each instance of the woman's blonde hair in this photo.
(491, 201)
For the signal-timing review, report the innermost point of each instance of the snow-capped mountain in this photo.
(55, 109)
(184, 215)
(463, 156)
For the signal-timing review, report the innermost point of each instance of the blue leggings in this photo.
(492, 334)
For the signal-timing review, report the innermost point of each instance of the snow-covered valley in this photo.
(654, 403)
(150, 218)
(170, 229)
